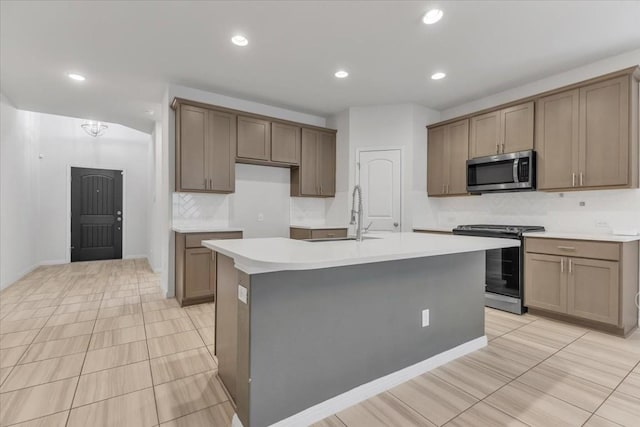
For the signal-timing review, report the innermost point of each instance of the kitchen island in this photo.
(305, 329)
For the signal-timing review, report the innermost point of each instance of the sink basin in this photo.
(338, 239)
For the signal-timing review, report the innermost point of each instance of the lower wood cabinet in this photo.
(196, 266)
(597, 292)
(298, 233)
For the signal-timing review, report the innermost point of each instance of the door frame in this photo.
(402, 165)
(67, 256)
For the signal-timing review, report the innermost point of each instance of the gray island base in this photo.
(301, 345)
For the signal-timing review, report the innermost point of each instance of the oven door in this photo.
(503, 272)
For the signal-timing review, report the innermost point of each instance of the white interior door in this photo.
(380, 179)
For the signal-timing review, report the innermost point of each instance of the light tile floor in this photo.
(96, 344)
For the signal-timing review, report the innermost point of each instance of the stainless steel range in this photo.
(504, 273)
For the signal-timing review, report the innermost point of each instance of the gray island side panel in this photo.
(315, 334)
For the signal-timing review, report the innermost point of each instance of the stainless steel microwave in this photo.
(502, 172)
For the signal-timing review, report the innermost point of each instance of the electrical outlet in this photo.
(260, 217)
(242, 293)
(425, 317)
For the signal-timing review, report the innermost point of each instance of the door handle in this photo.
(395, 224)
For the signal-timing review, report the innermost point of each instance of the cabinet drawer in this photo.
(194, 240)
(325, 234)
(573, 248)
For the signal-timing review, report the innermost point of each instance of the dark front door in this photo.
(96, 214)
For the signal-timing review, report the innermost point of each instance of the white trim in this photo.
(338, 403)
(124, 206)
(18, 276)
(134, 256)
(402, 169)
(54, 262)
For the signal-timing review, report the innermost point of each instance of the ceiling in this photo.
(129, 51)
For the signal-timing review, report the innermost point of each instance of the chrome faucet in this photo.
(358, 190)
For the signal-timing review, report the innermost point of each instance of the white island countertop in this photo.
(254, 256)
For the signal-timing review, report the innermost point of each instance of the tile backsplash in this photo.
(580, 211)
(201, 207)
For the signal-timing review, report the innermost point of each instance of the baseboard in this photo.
(19, 276)
(54, 262)
(136, 257)
(352, 397)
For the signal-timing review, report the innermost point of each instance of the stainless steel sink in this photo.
(338, 239)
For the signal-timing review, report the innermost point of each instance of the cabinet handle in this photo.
(566, 248)
(331, 235)
(503, 148)
(205, 184)
(561, 265)
(444, 189)
(581, 175)
(498, 148)
(573, 179)
(447, 188)
(210, 183)
(570, 266)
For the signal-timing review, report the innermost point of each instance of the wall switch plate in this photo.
(242, 293)
(260, 217)
(425, 317)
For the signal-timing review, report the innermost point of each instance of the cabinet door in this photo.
(604, 133)
(545, 283)
(194, 130)
(327, 163)
(436, 166)
(221, 152)
(199, 273)
(516, 128)
(457, 140)
(254, 138)
(285, 143)
(309, 185)
(593, 289)
(485, 134)
(557, 124)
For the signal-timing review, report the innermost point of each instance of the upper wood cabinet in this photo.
(285, 143)
(316, 175)
(447, 149)
(583, 137)
(254, 138)
(502, 131)
(205, 150)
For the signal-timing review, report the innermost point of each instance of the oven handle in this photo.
(515, 170)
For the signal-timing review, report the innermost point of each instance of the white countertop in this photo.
(202, 227)
(433, 228)
(255, 256)
(318, 226)
(581, 236)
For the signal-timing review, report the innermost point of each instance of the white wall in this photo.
(401, 126)
(154, 200)
(602, 210)
(18, 192)
(63, 143)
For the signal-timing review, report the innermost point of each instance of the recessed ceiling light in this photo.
(438, 76)
(432, 16)
(77, 77)
(341, 74)
(239, 40)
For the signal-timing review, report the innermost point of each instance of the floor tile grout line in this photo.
(193, 412)
(84, 359)
(531, 368)
(153, 387)
(611, 394)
